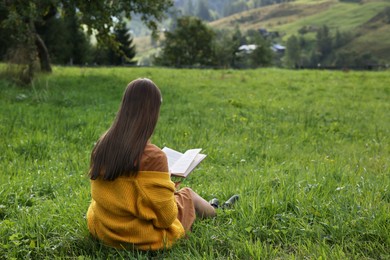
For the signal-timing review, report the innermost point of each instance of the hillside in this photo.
(368, 22)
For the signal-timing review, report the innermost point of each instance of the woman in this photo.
(134, 202)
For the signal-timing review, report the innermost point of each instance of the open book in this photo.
(182, 164)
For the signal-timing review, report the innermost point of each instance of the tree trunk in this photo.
(43, 54)
(28, 74)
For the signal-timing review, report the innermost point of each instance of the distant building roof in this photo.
(247, 48)
(278, 48)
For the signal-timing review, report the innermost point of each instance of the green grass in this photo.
(308, 151)
(341, 16)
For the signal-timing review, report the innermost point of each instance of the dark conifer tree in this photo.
(324, 42)
(126, 51)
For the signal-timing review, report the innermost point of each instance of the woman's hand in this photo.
(177, 184)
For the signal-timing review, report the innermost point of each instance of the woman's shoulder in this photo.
(153, 159)
(153, 151)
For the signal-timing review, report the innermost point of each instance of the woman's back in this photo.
(139, 210)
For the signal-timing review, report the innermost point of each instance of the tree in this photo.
(341, 39)
(189, 45)
(353, 59)
(79, 45)
(262, 55)
(226, 47)
(70, 46)
(314, 60)
(127, 48)
(5, 33)
(22, 19)
(59, 45)
(238, 39)
(324, 42)
(293, 52)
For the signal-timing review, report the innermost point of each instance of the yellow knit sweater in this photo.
(139, 211)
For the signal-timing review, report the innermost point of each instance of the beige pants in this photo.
(186, 208)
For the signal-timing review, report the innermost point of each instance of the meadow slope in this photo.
(308, 151)
(366, 21)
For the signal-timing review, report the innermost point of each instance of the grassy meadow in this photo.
(308, 152)
(365, 21)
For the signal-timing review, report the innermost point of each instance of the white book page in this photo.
(172, 155)
(182, 165)
(195, 163)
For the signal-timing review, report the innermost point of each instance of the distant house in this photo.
(278, 48)
(247, 48)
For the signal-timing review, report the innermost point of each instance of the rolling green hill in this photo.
(368, 22)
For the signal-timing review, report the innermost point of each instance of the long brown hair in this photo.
(119, 150)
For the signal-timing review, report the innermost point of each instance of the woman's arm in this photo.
(159, 189)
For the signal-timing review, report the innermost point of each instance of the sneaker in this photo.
(230, 202)
(214, 202)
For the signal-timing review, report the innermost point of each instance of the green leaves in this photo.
(190, 44)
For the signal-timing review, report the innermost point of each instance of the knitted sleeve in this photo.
(158, 203)
(158, 189)
(162, 199)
